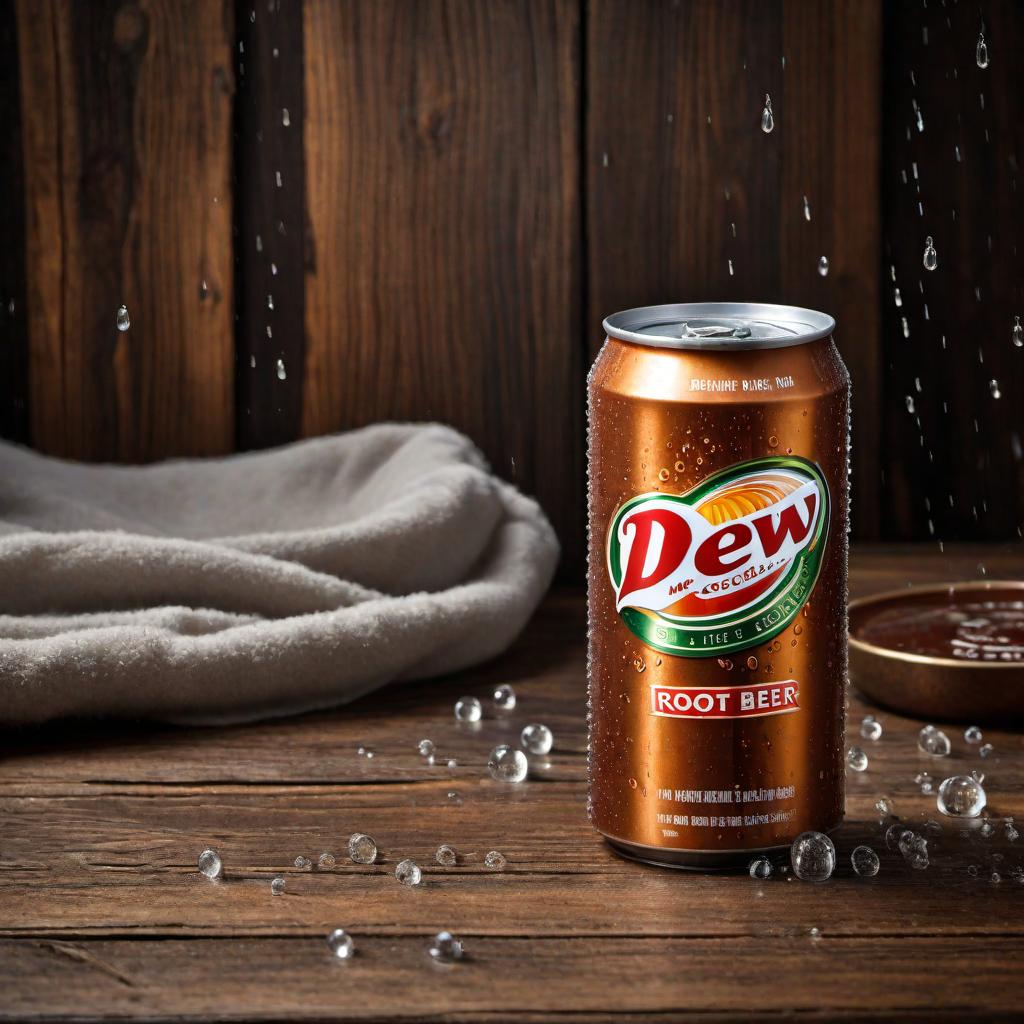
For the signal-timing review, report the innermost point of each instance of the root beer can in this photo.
(718, 509)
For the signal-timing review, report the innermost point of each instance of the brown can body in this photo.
(717, 720)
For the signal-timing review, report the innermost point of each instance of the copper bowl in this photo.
(928, 686)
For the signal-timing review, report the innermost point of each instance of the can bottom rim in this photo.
(696, 860)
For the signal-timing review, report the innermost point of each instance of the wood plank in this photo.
(687, 199)
(14, 414)
(128, 202)
(535, 979)
(954, 464)
(271, 223)
(442, 185)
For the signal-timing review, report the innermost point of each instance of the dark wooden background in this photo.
(461, 189)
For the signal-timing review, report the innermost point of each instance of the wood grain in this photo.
(128, 201)
(953, 465)
(442, 184)
(102, 912)
(14, 413)
(270, 244)
(688, 200)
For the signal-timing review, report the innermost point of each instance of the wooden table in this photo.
(103, 914)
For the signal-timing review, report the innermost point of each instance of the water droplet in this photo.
(807, 209)
(813, 857)
(361, 848)
(865, 861)
(933, 741)
(425, 748)
(924, 780)
(981, 52)
(277, 178)
(752, 662)
(1011, 832)
(767, 118)
(270, 301)
(639, 664)
(408, 872)
(993, 387)
(909, 399)
(986, 750)
(341, 944)
(445, 948)
(773, 442)
(210, 864)
(761, 868)
(303, 863)
(871, 728)
(454, 799)
(823, 266)
(961, 797)
(468, 709)
(897, 298)
(286, 118)
(536, 738)
(123, 320)
(986, 831)
(972, 734)
(504, 698)
(1017, 333)
(931, 257)
(495, 861)
(326, 861)
(446, 856)
(857, 759)
(663, 475)
(282, 374)
(277, 886)
(507, 764)
(906, 327)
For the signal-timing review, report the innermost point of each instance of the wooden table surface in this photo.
(104, 915)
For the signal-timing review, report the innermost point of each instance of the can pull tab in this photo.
(714, 331)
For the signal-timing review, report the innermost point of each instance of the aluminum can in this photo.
(718, 499)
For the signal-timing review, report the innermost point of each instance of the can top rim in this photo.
(719, 326)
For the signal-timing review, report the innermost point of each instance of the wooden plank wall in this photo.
(460, 191)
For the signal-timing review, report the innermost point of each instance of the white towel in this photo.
(224, 590)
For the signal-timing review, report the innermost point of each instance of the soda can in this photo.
(718, 500)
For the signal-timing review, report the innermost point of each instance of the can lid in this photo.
(719, 326)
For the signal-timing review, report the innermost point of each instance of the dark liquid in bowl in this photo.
(966, 630)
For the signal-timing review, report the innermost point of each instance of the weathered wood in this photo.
(14, 416)
(270, 244)
(128, 139)
(953, 464)
(515, 980)
(442, 175)
(687, 199)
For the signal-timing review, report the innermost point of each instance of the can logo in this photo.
(725, 566)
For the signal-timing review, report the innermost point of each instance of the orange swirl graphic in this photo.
(750, 494)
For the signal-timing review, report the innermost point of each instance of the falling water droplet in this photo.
(993, 386)
(897, 298)
(931, 257)
(286, 118)
(767, 119)
(807, 209)
(906, 327)
(981, 52)
(730, 268)
(823, 266)
(122, 320)
(910, 404)
(1017, 333)
(282, 374)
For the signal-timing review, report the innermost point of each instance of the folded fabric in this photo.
(225, 590)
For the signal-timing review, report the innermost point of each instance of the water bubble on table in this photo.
(1011, 832)
(987, 830)
(813, 857)
(210, 864)
(933, 741)
(978, 776)
(361, 848)
(986, 750)
(340, 944)
(454, 799)
(925, 781)
(277, 886)
(303, 863)
(857, 759)
(870, 728)
(865, 861)
(326, 860)
(537, 738)
(961, 796)
(507, 764)
(425, 748)
(468, 709)
(495, 861)
(122, 319)
(445, 948)
(761, 868)
(504, 698)
(408, 872)
(446, 856)
(767, 117)
(972, 734)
